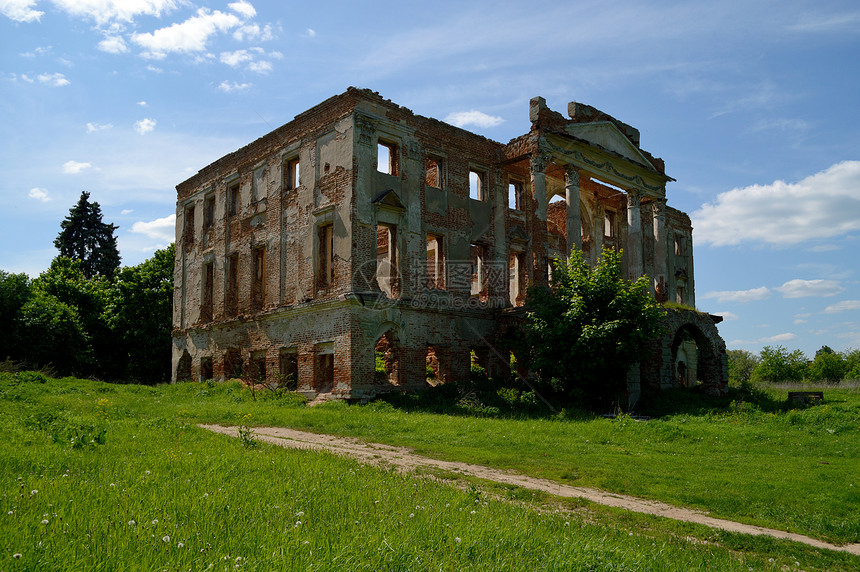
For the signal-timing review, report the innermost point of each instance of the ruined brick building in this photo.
(360, 232)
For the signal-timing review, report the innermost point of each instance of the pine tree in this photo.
(85, 237)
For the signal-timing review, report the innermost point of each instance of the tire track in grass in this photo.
(405, 460)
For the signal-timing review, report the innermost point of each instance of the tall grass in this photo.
(160, 493)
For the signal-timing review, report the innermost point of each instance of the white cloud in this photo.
(802, 288)
(74, 167)
(243, 8)
(113, 45)
(142, 103)
(189, 36)
(800, 321)
(20, 10)
(260, 66)
(104, 11)
(823, 205)
(473, 117)
(727, 316)
(236, 58)
(93, 127)
(823, 248)
(842, 306)
(739, 295)
(40, 51)
(230, 86)
(126, 211)
(53, 79)
(144, 126)
(786, 337)
(159, 229)
(39, 194)
(311, 33)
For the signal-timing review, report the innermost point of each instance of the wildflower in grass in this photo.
(45, 521)
(180, 545)
(34, 491)
(148, 473)
(131, 523)
(457, 539)
(112, 484)
(165, 538)
(300, 513)
(155, 521)
(17, 555)
(473, 512)
(11, 512)
(66, 475)
(411, 515)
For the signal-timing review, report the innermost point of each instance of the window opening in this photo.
(258, 366)
(207, 371)
(516, 271)
(478, 254)
(258, 286)
(386, 360)
(188, 230)
(291, 174)
(476, 186)
(289, 368)
(609, 224)
(208, 213)
(208, 289)
(515, 195)
(435, 262)
(233, 200)
(324, 371)
(679, 245)
(258, 187)
(386, 259)
(433, 177)
(232, 302)
(326, 255)
(386, 158)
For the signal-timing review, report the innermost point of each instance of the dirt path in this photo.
(404, 460)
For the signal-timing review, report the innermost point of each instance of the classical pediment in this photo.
(389, 199)
(607, 135)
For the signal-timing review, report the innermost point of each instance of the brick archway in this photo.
(680, 328)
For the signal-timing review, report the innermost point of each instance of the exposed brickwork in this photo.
(316, 276)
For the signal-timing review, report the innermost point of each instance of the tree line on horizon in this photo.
(85, 315)
(777, 364)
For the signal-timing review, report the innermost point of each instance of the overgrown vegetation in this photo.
(582, 334)
(85, 315)
(160, 493)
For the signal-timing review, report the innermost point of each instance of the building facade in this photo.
(361, 235)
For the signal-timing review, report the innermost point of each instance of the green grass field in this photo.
(118, 477)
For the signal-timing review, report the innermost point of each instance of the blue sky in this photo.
(754, 105)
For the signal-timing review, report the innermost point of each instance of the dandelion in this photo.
(205, 495)
(457, 539)
(411, 515)
(131, 523)
(165, 538)
(45, 521)
(155, 521)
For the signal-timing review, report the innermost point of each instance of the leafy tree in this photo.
(14, 293)
(741, 366)
(141, 315)
(65, 281)
(53, 334)
(777, 364)
(585, 332)
(827, 366)
(85, 237)
(852, 364)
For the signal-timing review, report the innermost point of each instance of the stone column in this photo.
(538, 175)
(660, 283)
(571, 196)
(634, 235)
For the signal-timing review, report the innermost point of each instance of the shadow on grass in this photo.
(692, 401)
